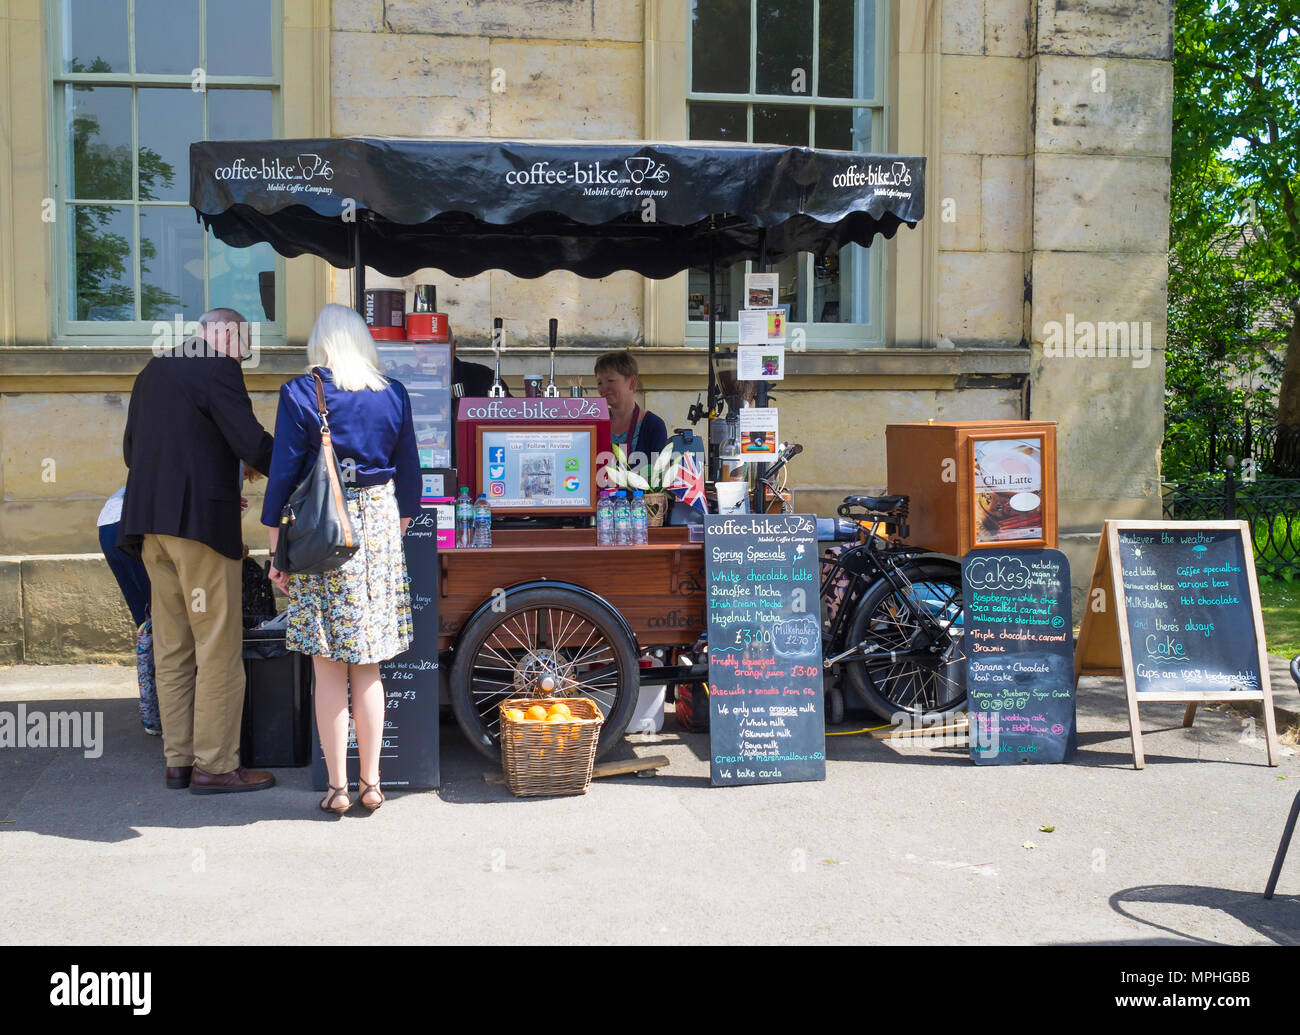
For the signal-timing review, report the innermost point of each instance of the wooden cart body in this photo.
(657, 588)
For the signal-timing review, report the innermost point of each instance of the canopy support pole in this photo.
(715, 461)
(759, 500)
(358, 271)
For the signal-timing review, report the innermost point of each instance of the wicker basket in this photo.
(541, 758)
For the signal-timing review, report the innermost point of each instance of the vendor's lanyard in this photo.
(633, 429)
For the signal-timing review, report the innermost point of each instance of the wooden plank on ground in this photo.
(621, 768)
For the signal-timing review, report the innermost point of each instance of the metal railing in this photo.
(1270, 505)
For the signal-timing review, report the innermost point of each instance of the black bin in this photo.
(276, 729)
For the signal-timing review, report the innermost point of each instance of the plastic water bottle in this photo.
(622, 520)
(640, 520)
(605, 519)
(464, 519)
(482, 522)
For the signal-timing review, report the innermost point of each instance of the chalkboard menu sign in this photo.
(766, 722)
(1188, 599)
(1173, 607)
(1019, 656)
(409, 754)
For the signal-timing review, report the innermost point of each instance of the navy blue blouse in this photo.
(373, 435)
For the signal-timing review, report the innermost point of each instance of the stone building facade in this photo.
(1046, 126)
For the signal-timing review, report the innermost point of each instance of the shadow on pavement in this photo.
(1277, 920)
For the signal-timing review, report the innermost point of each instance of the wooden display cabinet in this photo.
(977, 484)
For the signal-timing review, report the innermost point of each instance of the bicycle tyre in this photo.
(919, 689)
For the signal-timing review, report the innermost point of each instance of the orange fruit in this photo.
(537, 713)
(557, 717)
(514, 714)
(560, 708)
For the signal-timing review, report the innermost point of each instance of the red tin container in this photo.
(428, 327)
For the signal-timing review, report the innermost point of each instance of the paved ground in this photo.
(915, 846)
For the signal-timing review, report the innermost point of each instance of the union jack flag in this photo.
(688, 486)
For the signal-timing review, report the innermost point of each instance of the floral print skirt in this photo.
(361, 612)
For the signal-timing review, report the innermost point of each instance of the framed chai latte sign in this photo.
(1174, 608)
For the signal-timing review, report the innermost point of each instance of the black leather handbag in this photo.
(315, 533)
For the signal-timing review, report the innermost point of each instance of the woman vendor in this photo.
(635, 429)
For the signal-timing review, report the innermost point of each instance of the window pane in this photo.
(847, 28)
(781, 125)
(167, 36)
(720, 46)
(730, 287)
(239, 37)
(103, 263)
(784, 60)
(171, 263)
(239, 115)
(717, 122)
(168, 121)
(791, 289)
(99, 142)
(94, 36)
(242, 279)
(843, 129)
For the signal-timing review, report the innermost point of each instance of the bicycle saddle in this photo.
(877, 503)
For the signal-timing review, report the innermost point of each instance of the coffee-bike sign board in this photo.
(1173, 606)
(766, 722)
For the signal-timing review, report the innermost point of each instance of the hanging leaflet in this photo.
(760, 362)
(758, 436)
(763, 326)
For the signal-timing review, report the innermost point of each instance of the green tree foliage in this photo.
(103, 258)
(1234, 278)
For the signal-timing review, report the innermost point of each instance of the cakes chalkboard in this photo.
(1019, 656)
(766, 721)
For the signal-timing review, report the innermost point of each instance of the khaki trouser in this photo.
(197, 645)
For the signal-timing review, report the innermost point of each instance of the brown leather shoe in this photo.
(233, 782)
(178, 777)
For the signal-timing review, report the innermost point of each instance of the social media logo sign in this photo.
(571, 483)
(571, 463)
(496, 471)
(496, 489)
(496, 454)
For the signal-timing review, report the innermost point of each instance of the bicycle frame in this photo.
(868, 562)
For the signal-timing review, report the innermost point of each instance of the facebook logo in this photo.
(496, 454)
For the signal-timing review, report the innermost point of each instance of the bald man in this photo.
(189, 426)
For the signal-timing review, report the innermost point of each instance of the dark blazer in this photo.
(189, 424)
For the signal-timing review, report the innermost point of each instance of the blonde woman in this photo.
(352, 618)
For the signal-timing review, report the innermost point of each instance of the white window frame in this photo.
(70, 331)
(870, 334)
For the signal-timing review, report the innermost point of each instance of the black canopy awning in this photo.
(465, 206)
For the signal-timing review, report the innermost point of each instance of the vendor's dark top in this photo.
(189, 424)
(373, 437)
(476, 378)
(649, 436)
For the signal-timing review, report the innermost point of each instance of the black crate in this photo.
(276, 729)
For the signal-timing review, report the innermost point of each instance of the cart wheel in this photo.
(545, 643)
(834, 706)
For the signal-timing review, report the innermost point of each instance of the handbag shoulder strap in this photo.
(321, 409)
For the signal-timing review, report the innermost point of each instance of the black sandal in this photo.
(365, 789)
(327, 803)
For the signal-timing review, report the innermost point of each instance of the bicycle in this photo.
(892, 630)
(891, 617)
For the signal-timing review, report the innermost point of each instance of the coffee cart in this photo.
(546, 611)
